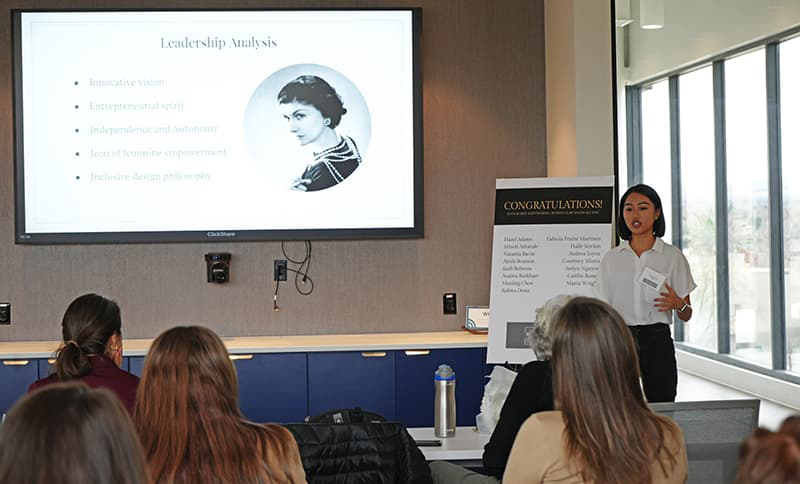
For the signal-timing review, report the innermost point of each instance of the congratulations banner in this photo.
(549, 237)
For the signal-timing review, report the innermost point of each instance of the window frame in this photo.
(635, 170)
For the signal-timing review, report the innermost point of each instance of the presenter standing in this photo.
(645, 280)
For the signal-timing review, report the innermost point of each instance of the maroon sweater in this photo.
(104, 374)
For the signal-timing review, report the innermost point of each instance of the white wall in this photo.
(697, 29)
(580, 136)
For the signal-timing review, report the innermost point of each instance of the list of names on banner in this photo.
(519, 265)
(581, 259)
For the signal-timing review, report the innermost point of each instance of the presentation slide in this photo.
(217, 121)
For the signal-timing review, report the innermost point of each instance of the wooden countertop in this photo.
(283, 344)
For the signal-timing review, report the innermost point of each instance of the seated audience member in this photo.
(791, 426)
(768, 457)
(531, 392)
(603, 431)
(68, 433)
(92, 349)
(188, 418)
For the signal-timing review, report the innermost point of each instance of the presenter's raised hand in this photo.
(669, 300)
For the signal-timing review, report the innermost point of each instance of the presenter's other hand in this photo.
(669, 300)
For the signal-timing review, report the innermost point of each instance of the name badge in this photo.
(652, 279)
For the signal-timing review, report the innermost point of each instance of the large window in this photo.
(748, 206)
(728, 128)
(698, 207)
(656, 170)
(790, 155)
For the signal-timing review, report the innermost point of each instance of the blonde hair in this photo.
(541, 341)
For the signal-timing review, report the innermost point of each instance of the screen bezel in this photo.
(25, 238)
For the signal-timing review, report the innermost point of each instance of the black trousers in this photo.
(656, 361)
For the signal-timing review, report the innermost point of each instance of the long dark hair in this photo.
(659, 226)
(188, 418)
(88, 324)
(610, 431)
(68, 433)
(314, 91)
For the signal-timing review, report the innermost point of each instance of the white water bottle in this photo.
(444, 420)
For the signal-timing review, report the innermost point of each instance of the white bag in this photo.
(494, 396)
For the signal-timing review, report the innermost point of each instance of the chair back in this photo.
(713, 431)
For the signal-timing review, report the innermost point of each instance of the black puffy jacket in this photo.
(368, 453)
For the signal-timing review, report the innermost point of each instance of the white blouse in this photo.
(619, 281)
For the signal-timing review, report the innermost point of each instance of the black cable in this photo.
(275, 297)
(308, 263)
(306, 244)
(303, 268)
(297, 284)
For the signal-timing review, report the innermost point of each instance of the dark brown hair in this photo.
(68, 433)
(314, 91)
(767, 457)
(610, 431)
(88, 323)
(188, 418)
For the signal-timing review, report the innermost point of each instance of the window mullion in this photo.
(633, 101)
(675, 159)
(723, 275)
(777, 281)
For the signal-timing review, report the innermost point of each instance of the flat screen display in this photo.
(169, 126)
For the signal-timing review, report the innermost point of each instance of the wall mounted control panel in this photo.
(5, 313)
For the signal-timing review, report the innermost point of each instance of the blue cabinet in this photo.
(135, 364)
(487, 367)
(349, 379)
(273, 387)
(286, 387)
(415, 387)
(16, 375)
(45, 367)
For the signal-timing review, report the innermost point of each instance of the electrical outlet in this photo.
(5, 313)
(449, 303)
(281, 272)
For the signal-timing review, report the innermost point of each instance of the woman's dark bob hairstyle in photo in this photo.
(314, 91)
(659, 226)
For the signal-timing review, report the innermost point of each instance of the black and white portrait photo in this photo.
(309, 125)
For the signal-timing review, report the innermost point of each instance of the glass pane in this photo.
(748, 207)
(698, 203)
(656, 164)
(790, 126)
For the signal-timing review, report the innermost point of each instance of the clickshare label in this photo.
(562, 205)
